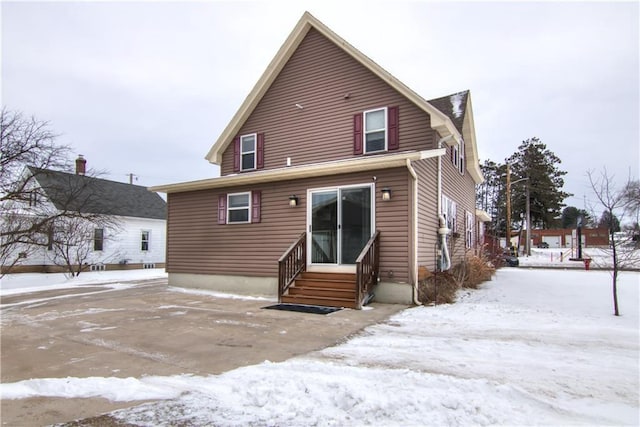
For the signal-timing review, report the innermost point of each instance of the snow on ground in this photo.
(30, 282)
(530, 347)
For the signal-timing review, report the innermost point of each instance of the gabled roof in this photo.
(440, 121)
(79, 193)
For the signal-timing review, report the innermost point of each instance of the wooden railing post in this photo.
(291, 263)
(367, 266)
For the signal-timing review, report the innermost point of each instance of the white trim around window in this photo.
(239, 208)
(449, 211)
(248, 151)
(376, 130)
(145, 240)
(469, 232)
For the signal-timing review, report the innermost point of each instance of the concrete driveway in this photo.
(146, 328)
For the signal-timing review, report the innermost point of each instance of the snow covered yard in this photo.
(530, 347)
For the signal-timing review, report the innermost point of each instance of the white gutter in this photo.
(441, 231)
(414, 228)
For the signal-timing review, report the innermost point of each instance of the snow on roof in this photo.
(456, 104)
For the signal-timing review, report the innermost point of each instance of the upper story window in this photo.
(375, 130)
(144, 240)
(248, 152)
(457, 156)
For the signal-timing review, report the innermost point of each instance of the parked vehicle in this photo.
(510, 260)
(543, 245)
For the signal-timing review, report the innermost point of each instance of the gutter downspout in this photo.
(442, 228)
(414, 228)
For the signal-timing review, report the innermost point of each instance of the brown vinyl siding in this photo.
(318, 76)
(198, 244)
(461, 189)
(427, 171)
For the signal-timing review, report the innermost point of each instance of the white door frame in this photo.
(348, 268)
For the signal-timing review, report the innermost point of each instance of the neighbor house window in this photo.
(238, 208)
(449, 211)
(375, 130)
(469, 229)
(248, 151)
(33, 198)
(98, 239)
(144, 241)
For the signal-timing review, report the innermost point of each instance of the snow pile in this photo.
(32, 282)
(530, 347)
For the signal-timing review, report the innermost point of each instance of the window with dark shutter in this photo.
(256, 199)
(260, 152)
(236, 154)
(222, 209)
(392, 122)
(375, 130)
(357, 133)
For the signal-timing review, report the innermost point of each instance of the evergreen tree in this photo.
(608, 222)
(534, 161)
(570, 216)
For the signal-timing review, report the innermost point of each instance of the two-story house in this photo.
(130, 235)
(338, 183)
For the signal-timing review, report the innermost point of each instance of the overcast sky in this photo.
(147, 87)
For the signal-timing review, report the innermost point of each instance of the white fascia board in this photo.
(337, 167)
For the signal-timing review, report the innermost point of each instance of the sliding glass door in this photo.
(340, 224)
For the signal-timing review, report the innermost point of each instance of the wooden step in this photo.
(322, 301)
(328, 276)
(320, 283)
(323, 292)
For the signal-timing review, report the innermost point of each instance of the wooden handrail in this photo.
(291, 263)
(367, 266)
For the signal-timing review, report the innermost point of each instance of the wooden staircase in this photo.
(324, 289)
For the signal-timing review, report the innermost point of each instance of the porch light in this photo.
(386, 194)
(293, 200)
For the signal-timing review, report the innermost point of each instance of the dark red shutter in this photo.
(357, 134)
(222, 209)
(392, 122)
(260, 152)
(256, 199)
(236, 154)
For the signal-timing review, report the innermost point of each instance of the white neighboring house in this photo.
(140, 238)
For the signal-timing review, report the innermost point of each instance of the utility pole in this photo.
(528, 242)
(507, 227)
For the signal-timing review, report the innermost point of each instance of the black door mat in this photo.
(302, 308)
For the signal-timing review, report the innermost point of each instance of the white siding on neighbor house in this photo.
(126, 244)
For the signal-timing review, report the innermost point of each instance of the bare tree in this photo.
(24, 141)
(77, 242)
(35, 196)
(616, 203)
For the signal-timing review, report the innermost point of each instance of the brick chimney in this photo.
(81, 165)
